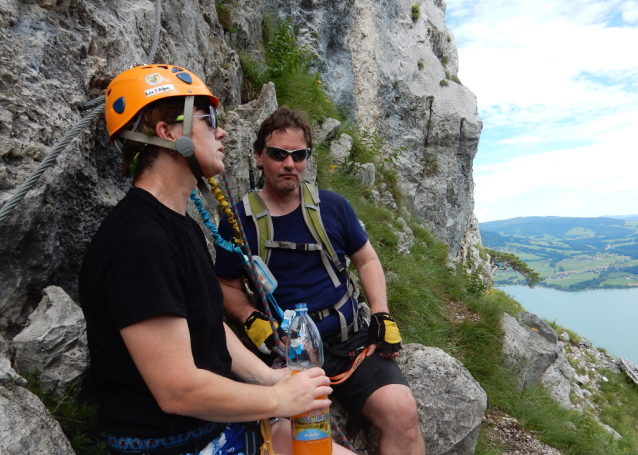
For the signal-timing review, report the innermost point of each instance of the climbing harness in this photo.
(340, 378)
(255, 208)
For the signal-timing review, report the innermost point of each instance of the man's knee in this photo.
(393, 404)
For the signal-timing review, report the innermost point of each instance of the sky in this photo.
(557, 90)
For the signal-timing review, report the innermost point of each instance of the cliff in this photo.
(389, 70)
(385, 69)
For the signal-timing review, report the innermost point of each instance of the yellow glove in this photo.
(384, 331)
(258, 329)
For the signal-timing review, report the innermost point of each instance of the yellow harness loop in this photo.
(224, 205)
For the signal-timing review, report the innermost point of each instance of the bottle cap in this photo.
(300, 306)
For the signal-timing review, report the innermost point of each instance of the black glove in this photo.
(384, 331)
(258, 329)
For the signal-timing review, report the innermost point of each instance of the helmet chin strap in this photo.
(184, 146)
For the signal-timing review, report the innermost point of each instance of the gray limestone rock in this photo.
(340, 149)
(54, 59)
(630, 369)
(526, 349)
(7, 373)
(365, 173)
(451, 404)
(384, 69)
(54, 342)
(388, 200)
(26, 427)
(584, 343)
(557, 379)
(327, 131)
(406, 237)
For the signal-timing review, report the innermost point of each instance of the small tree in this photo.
(506, 261)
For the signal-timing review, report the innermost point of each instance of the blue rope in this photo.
(225, 244)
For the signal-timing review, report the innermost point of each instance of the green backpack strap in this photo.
(312, 216)
(257, 210)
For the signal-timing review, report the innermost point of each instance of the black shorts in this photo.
(373, 373)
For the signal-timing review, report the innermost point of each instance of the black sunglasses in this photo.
(211, 117)
(279, 154)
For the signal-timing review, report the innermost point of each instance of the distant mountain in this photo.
(569, 253)
(563, 233)
(622, 217)
(561, 227)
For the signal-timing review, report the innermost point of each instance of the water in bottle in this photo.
(311, 430)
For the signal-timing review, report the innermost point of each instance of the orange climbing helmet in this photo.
(137, 87)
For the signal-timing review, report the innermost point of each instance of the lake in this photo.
(606, 317)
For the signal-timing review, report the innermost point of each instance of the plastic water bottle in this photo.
(311, 433)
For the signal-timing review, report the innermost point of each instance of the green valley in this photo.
(569, 253)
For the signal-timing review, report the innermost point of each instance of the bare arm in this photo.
(161, 350)
(248, 366)
(236, 304)
(372, 278)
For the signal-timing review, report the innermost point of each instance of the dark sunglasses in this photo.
(279, 154)
(211, 117)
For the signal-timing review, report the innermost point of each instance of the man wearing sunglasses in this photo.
(377, 389)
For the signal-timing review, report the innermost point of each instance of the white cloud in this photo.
(551, 76)
(598, 179)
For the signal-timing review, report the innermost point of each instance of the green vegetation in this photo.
(225, 16)
(77, 416)
(502, 261)
(421, 287)
(452, 77)
(416, 12)
(569, 253)
(287, 64)
(420, 64)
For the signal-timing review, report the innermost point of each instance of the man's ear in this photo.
(168, 131)
(258, 157)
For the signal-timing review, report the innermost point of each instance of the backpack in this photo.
(257, 210)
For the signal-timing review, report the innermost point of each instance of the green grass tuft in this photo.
(75, 413)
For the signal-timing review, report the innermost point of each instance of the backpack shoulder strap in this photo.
(312, 216)
(257, 210)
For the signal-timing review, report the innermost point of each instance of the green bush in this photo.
(287, 64)
(416, 12)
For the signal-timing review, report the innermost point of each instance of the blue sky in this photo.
(557, 89)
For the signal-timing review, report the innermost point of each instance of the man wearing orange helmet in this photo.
(169, 375)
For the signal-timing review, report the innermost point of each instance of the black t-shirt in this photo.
(147, 260)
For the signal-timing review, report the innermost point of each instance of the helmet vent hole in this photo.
(185, 77)
(119, 104)
(146, 67)
(176, 69)
(108, 93)
(163, 67)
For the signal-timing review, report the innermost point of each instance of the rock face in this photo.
(380, 65)
(26, 427)
(54, 342)
(55, 57)
(529, 348)
(390, 72)
(384, 68)
(451, 404)
(7, 373)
